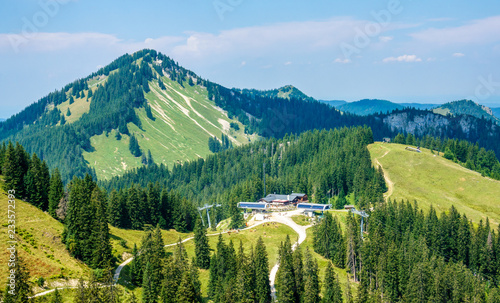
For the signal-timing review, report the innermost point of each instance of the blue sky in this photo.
(404, 51)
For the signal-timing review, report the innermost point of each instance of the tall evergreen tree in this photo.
(312, 287)
(148, 293)
(332, 291)
(102, 255)
(57, 297)
(187, 292)
(134, 147)
(286, 288)
(134, 205)
(202, 249)
(261, 265)
(56, 192)
(114, 211)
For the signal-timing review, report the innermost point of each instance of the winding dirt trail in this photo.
(389, 182)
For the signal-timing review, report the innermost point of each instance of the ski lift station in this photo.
(259, 208)
(310, 208)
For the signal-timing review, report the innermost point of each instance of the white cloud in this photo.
(288, 63)
(270, 39)
(243, 63)
(47, 42)
(403, 58)
(343, 61)
(385, 38)
(50, 42)
(485, 30)
(458, 55)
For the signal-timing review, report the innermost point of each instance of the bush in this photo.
(123, 243)
(40, 282)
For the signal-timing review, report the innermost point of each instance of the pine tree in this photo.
(3, 151)
(9, 168)
(202, 249)
(237, 220)
(80, 219)
(348, 292)
(148, 293)
(102, 255)
(57, 298)
(135, 267)
(68, 112)
(332, 292)
(299, 272)
(134, 147)
(150, 158)
(133, 205)
(186, 292)
(312, 288)
(154, 201)
(261, 265)
(56, 192)
(114, 214)
(285, 278)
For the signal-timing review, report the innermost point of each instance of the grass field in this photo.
(38, 242)
(184, 120)
(77, 109)
(433, 180)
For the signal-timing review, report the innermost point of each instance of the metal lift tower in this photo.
(208, 214)
(363, 215)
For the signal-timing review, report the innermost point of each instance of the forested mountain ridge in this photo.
(369, 106)
(466, 107)
(144, 98)
(285, 92)
(145, 108)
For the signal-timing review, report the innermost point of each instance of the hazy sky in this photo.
(404, 51)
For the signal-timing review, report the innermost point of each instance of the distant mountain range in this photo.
(2, 119)
(367, 107)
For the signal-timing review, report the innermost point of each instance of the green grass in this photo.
(132, 237)
(184, 120)
(39, 243)
(302, 220)
(433, 180)
(112, 157)
(77, 109)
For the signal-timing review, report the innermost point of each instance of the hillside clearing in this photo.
(433, 180)
(184, 119)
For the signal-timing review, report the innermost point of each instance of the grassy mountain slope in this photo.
(367, 107)
(432, 180)
(184, 119)
(39, 243)
(466, 107)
